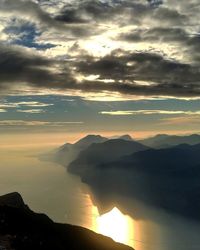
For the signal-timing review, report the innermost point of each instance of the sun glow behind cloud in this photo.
(101, 51)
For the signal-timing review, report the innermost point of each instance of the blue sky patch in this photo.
(25, 35)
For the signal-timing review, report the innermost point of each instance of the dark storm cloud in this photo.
(163, 77)
(170, 16)
(156, 34)
(187, 41)
(18, 66)
(169, 90)
(139, 66)
(70, 16)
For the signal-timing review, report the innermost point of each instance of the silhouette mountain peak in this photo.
(12, 199)
(87, 140)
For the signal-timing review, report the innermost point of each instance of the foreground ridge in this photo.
(22, 229)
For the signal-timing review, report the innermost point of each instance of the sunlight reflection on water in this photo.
(116, 225)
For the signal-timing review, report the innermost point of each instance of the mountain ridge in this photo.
(68, 151)
(22, 229)
(164, 140)
(107, 151)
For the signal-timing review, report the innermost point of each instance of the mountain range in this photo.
(163, 141)
(69, 152)
(163, 175)
(99, 153)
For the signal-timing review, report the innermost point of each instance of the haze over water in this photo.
(47, 188)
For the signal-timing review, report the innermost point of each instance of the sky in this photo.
(99, 66)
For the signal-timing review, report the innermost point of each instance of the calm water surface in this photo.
(48, 188)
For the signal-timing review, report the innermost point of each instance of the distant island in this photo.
(22, 229)
(162, 171)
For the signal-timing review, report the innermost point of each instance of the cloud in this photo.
(166, 72)
(84, 18)
(29, 9)
(7, 105)
(89, 11)
(176, 36)
(34, 13)
(161, 34)
(31, 111)
(149, 112)
(24, 104)
(19, 66)
(183, 120)
(36, 123)
(170, 16)
(2, 111)
(32, 104)
(127, 66)
(163, 76)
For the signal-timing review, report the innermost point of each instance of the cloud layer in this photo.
(149, 112)
(130, 47)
